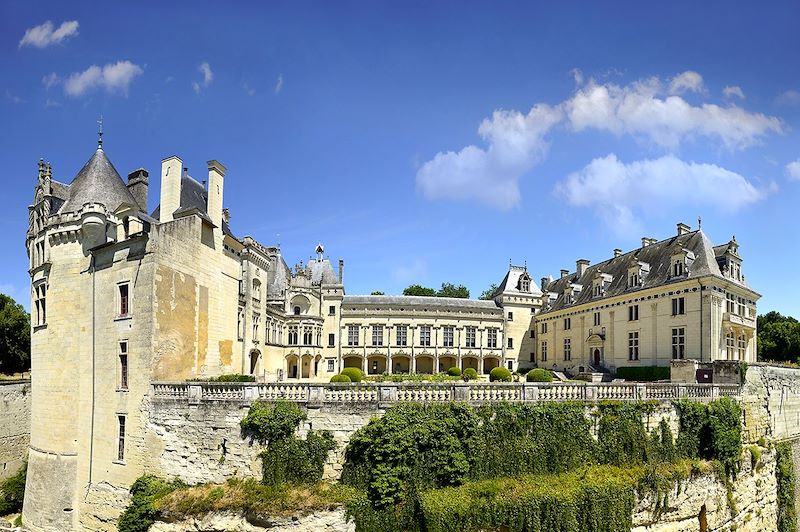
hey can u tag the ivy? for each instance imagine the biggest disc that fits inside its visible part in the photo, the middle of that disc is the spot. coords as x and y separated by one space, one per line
711 432
272 421
141 512
12 491
785 476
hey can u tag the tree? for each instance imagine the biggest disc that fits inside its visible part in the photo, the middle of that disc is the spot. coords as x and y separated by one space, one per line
487 294
15 336
377 293
417 290
451 290
778 337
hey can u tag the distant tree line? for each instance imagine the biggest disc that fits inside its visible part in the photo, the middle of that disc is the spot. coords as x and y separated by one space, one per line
778 337
15 336
447 290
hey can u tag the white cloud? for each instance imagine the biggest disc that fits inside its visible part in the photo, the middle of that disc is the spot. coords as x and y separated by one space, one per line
411 273
279 84
208 77
790 97
793 170
250 91
731 91
111 77
515 145
686 81
50 80
621 192
13 98
44 35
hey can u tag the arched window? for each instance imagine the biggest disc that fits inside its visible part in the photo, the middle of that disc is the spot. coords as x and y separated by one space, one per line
296 310
256 289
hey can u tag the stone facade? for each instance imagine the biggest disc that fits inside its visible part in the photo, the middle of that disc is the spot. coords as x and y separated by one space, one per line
15 432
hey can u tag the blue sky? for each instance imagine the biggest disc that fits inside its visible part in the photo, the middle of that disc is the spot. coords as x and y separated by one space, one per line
427 142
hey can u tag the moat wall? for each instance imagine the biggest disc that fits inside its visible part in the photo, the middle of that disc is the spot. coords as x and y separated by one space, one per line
15 425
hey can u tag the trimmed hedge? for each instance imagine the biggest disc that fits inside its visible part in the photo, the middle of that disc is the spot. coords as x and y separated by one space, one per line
471 374
539 375
500 374
355 374
340 378
454 372
643 373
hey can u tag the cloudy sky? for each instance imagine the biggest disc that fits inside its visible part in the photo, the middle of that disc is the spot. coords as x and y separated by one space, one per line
427 142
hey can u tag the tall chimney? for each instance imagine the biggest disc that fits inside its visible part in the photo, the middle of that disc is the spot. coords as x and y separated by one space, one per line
564 273
216 182
341 271
683 228
580 266
171 169
617 252
545 282
138 184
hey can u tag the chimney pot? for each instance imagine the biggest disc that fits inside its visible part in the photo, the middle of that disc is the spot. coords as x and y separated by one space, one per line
138 186
545 282
617 252
683 228
646 241
580 266
341 271
564 273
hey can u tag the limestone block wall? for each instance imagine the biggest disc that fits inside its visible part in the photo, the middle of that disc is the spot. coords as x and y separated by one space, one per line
15 429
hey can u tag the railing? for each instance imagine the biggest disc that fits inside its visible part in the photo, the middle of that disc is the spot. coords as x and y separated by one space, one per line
436 392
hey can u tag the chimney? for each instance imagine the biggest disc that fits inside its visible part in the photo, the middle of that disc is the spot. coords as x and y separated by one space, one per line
564 273
137 184
226 216
545 282
341 272
216 182
683 228
646 241
617 252
580 266
171 169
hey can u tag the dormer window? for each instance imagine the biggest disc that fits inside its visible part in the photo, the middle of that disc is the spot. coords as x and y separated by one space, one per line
681 261
600 284
678 268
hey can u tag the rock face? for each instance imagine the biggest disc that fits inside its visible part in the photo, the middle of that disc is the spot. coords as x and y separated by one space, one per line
327 521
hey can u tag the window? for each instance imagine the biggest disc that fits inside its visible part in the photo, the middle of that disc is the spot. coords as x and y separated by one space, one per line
331 310
525 284
123 365
678 268
678 342
598 289
447 335
732 305
510 365
470 336
730 345
308 336
293 335
633 313
742 344
331 341
510 343
352 335
256 289
633 345
296 311
633 279
121 432
425 335
124 301
256 319
596 319
402 335
678 306
567 324
567 349
491 338
544 352
40 293
240 324
533 333
330 365
544 327
377 335
510 316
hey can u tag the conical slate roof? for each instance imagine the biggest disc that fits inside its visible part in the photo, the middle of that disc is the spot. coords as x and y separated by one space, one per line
98 182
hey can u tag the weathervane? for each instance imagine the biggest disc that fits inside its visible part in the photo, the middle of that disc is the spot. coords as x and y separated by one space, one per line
699 223
100 132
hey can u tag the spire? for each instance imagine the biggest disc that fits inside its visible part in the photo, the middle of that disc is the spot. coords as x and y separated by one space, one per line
100 133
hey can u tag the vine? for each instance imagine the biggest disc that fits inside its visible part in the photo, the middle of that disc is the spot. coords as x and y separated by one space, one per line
785 477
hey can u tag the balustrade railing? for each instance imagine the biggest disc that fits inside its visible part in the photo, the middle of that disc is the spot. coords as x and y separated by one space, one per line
436 392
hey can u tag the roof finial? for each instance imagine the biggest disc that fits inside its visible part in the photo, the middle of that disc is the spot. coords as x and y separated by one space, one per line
100 133
699 223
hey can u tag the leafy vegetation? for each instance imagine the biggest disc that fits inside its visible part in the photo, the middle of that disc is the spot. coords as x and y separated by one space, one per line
12 491
268 422
500 374
141 511
487 294
454 372
644 373
228 377
15 336
778 337
412 377
470 374
711 432
539 375
377 293
355 374
447 290
340 378
785 476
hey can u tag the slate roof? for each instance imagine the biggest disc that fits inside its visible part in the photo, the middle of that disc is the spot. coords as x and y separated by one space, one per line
322 272
510 283
658 255
280 281
422 302
97 182
193 196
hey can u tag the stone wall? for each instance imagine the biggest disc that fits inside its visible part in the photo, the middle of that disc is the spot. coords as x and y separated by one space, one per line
15 428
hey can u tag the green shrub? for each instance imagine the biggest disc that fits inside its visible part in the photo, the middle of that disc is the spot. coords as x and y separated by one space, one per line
644 373
340 378
295 460
454 372
539 375
141 512
711 432
267 422
785 476
12 491
471 374
355 374
229 377
500 374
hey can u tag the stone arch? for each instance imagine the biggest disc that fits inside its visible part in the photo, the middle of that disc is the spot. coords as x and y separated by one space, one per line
292 367
470 362
255 356
299 305
447 362
424 364
377 364
401 364
489 363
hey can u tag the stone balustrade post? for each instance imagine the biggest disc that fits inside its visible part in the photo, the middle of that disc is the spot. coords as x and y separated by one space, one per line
195 394
250 393
714 392
316 395
591 393
461 392
387 394
530 392
683 392
641 392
